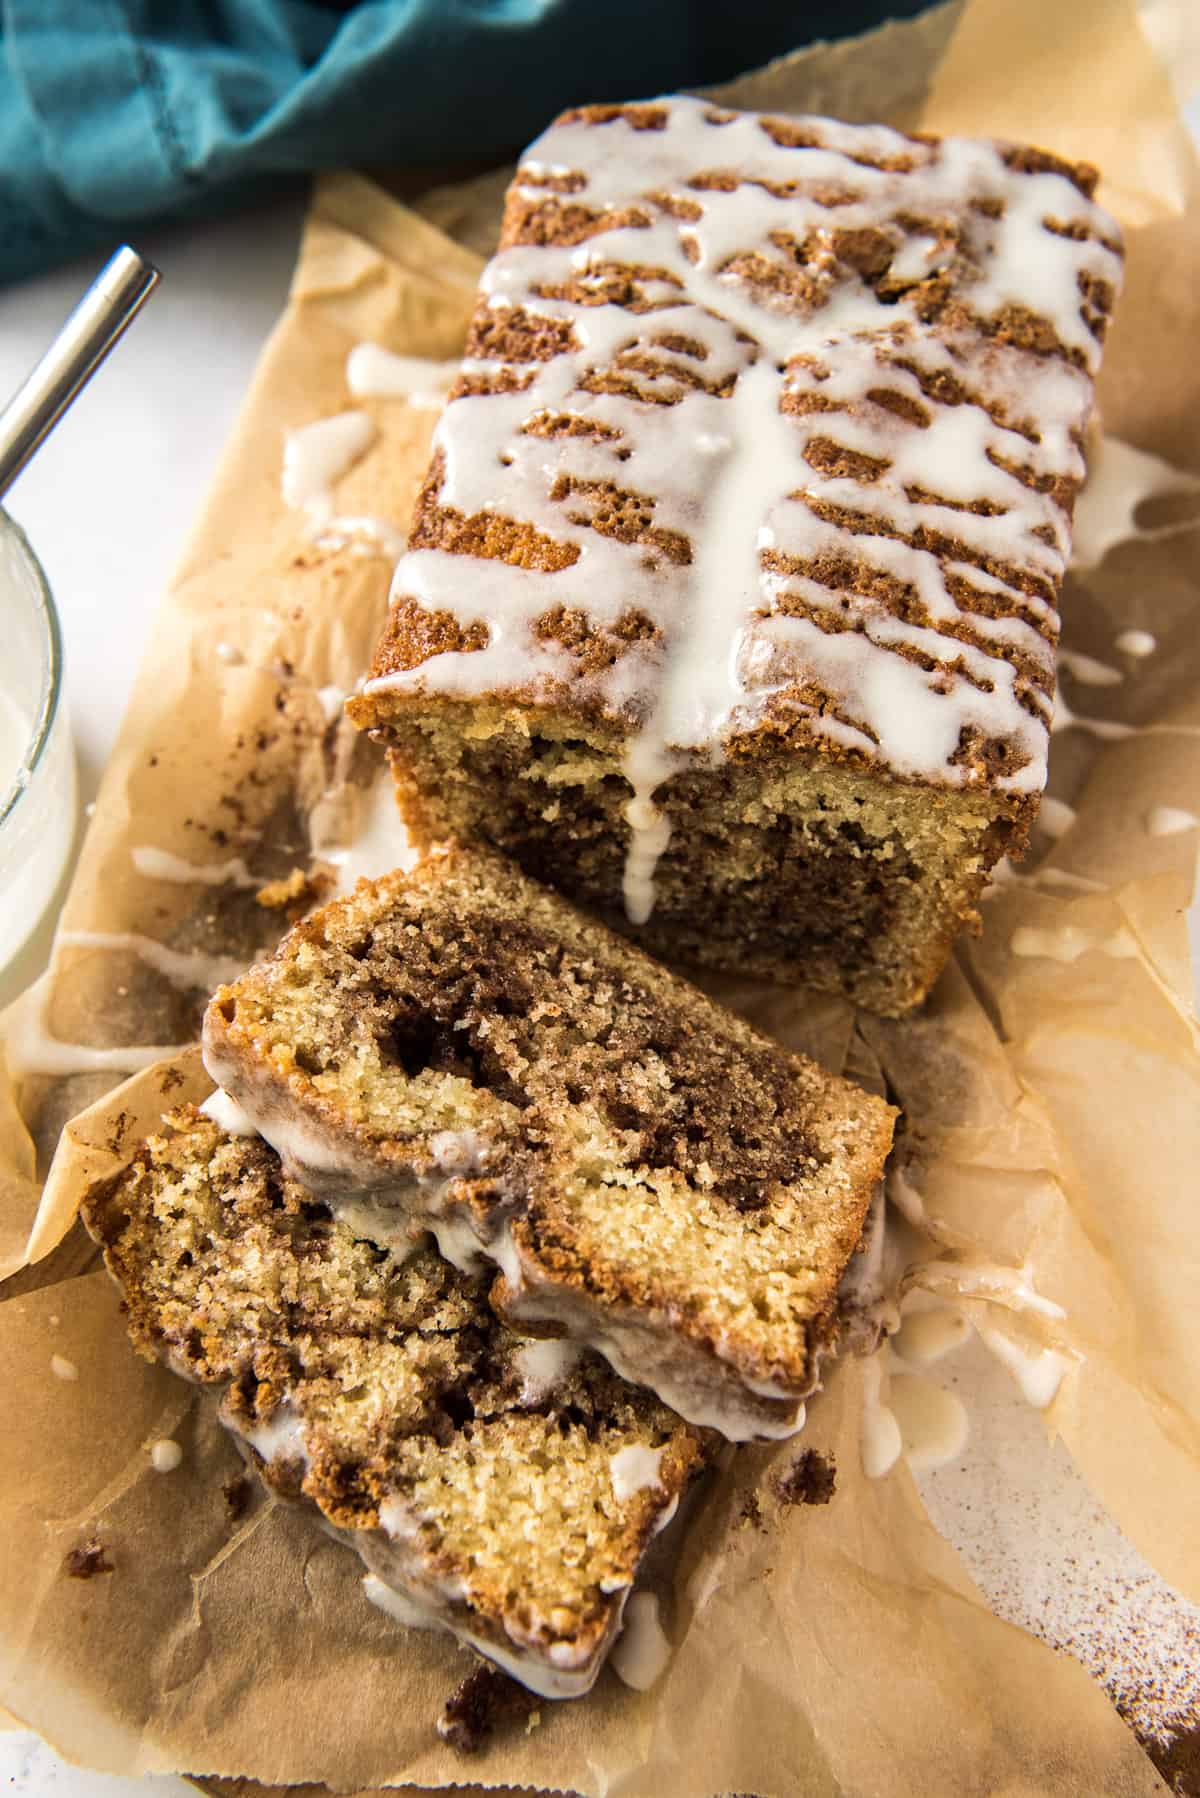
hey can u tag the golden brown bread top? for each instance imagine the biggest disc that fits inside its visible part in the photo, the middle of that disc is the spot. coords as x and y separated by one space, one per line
866 355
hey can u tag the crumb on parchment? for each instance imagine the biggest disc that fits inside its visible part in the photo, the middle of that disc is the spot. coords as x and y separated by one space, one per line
88 1560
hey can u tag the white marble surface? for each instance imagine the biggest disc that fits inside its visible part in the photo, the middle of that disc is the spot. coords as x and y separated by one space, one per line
29 1769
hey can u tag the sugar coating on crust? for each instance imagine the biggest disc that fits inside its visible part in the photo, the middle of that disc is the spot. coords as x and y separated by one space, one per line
766 428
388 1395
650 1173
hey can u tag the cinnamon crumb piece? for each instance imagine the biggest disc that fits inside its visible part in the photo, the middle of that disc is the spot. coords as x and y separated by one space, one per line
485 1698
237 1493
87 1561
808 1480
750 1516
297 890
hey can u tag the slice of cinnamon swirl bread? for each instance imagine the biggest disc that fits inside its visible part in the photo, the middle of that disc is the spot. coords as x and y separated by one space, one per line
461 1050
506 1490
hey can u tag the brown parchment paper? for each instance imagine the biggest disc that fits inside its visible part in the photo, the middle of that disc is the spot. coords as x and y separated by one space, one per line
1051 1109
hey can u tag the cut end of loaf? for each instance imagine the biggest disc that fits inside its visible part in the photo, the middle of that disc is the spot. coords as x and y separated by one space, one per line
467 1052
386 1394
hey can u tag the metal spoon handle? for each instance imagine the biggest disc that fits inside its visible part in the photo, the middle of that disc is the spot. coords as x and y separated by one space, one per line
108 306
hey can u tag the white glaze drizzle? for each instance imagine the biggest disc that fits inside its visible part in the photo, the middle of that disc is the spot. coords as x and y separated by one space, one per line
458 1152
1137 644
925 1337
520 1664
307 1155
908 1201
1107 729
331 699
165 1455
1005 875
281 1439
933 1422
316 456
227 1114
1039 1372
932 1327
379 843
641 1652
624 1347
1012 1287
868 1288
457 1243
1087 670
375 373
1120 480
1055 816
543 1365
62 1369
161 864
362 532
1067 942
726 472
1170 821
633 1469
186 969
399 1235
400 1606
881 1442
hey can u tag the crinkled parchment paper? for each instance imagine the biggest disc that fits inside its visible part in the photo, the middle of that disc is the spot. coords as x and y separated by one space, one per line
1052 1125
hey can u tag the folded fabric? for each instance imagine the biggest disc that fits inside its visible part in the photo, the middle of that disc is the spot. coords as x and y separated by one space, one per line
117 111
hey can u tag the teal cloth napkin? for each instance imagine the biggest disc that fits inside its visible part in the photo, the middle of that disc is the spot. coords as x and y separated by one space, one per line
119 111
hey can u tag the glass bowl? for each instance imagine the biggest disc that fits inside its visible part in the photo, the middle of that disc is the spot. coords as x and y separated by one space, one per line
37 762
